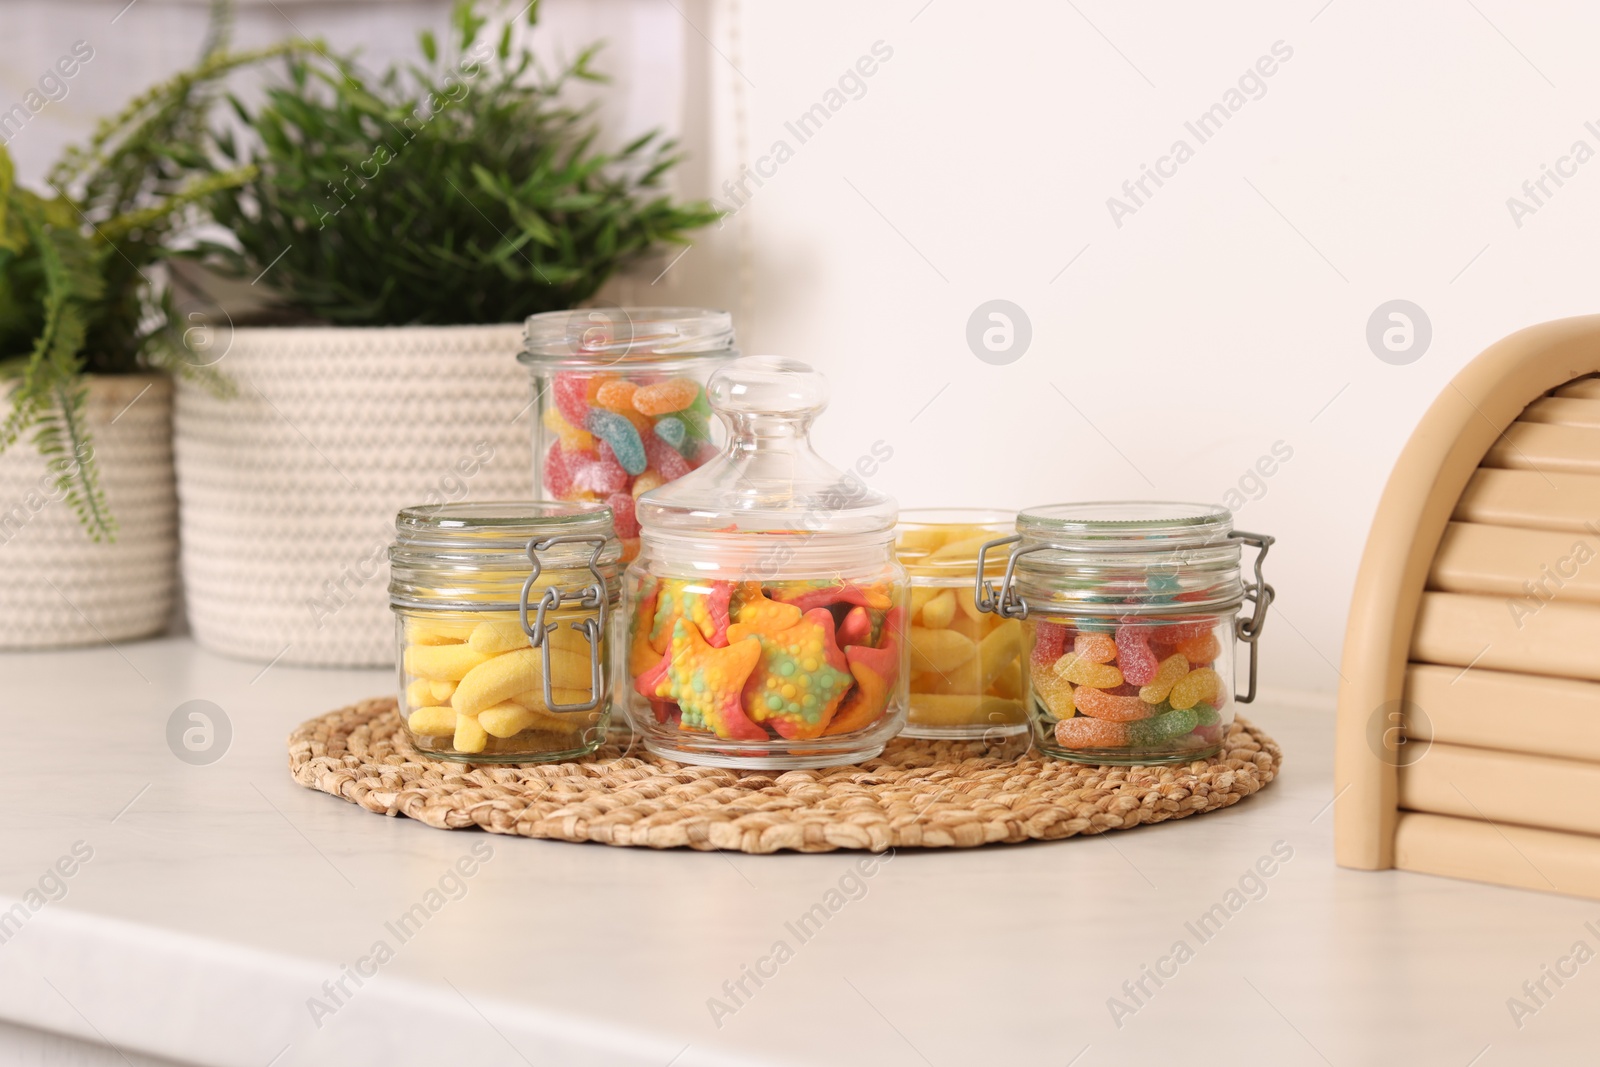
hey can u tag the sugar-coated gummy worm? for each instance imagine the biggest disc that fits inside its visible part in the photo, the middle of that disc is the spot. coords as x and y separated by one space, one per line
1082 732
1086 672
1094 648
1134 658
1170 670
1197 685
1101 705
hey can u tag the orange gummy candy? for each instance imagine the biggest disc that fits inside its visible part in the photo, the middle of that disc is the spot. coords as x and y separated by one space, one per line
675 394
1084 732
616 395
1102 705
1201 649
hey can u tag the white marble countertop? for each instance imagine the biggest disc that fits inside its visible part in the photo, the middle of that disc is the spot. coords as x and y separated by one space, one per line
207 905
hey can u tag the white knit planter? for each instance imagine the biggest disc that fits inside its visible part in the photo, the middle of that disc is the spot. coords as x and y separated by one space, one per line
63 589
288 491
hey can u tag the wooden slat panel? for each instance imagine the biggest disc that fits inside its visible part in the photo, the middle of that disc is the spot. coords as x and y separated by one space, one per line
1516 856
1533 500
1504 711
1504 787
1542 447
1562 640
1563 411
1585 388
1501 560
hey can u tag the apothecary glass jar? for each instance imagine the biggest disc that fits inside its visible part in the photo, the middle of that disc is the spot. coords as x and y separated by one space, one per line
619 399
966 664
503 613
766 610
1129 612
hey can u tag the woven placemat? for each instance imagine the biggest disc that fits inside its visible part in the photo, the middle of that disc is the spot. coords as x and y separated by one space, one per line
918 794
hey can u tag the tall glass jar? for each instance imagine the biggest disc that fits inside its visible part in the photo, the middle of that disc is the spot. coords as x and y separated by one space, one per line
966 664
619 399
766 610
503 621
1129 613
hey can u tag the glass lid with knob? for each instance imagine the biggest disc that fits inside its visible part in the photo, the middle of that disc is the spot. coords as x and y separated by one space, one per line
767 479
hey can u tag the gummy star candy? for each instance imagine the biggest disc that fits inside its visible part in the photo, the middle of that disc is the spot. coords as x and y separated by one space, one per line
641 654
753 613
825 591
705 603
801 678
856 627
706 682
875 671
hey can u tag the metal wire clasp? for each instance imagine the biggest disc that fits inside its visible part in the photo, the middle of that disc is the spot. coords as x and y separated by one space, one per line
1260 594
1004 602
592 597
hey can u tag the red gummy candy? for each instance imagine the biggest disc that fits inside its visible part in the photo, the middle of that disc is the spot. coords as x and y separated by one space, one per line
704 454
622 516
1134 657
557 476
571 392
602 477
664 458
1176 630
1049 641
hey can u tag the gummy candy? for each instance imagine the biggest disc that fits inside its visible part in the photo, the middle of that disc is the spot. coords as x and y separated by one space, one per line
1200 649
1137 662
706 604
1049 640
665 397
1162 728
1083 732
1094 648
707 682
1196 686
557 476
800 679
1167 674
1174 630
666 459
621 436
1087 672
1206 714
573 438
623 518
616 395
647 481
601 477
571 392
874 670
753 613
1101 705
855 628
671 429
1054 691
831 592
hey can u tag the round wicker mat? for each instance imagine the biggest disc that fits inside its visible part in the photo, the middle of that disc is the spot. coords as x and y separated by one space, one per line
918 794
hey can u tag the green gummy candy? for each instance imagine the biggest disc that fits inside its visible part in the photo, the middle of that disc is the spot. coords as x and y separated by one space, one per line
1207 715
1163 727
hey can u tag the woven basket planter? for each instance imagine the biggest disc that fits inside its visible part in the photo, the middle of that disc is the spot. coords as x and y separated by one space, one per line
289 489
63 589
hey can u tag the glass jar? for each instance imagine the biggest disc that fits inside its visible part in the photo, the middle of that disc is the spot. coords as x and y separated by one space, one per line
620 402
766 610
966 664
1129 613
502 616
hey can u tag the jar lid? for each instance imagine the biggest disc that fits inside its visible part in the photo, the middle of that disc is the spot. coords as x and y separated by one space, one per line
1136 557
1128 525
603 337
768 482
474 556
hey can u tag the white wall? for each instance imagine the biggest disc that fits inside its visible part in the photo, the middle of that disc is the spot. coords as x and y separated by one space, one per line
1226 314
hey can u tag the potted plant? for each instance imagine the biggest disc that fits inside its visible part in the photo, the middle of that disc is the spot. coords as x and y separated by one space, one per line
88 344
406 223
